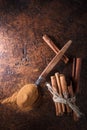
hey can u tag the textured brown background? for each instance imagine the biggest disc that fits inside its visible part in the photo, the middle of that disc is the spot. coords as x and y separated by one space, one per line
24 55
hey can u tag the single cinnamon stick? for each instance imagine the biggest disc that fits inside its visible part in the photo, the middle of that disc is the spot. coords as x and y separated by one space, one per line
76 69
54 85
60 91
54 47
70 89
65 90
77 74
73 68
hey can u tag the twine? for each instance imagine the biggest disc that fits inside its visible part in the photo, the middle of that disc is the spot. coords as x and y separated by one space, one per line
64 100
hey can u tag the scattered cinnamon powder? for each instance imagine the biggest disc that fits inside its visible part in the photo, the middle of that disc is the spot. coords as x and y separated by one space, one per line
24 99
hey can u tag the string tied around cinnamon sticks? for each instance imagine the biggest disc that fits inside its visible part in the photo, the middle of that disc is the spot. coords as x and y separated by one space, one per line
69 101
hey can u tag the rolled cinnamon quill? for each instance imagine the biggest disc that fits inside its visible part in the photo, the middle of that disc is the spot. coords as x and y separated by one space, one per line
54 47
77 74
55 88
60 91
65 90
76 69
70 89
73 68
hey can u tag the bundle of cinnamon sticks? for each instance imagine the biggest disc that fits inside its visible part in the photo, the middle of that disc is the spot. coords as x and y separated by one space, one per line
59 85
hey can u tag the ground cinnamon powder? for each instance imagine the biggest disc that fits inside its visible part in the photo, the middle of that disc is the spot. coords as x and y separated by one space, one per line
24 99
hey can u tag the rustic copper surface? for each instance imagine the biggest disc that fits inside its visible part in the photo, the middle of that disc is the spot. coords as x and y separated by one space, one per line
24 54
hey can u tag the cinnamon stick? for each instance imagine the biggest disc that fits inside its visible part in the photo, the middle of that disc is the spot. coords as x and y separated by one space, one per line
77 74
65 90
71 92
76 69
54 85
54 47
73 68
60 91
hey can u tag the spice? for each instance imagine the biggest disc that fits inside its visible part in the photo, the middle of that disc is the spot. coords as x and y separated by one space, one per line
54 47
55 88
60 90
65 90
